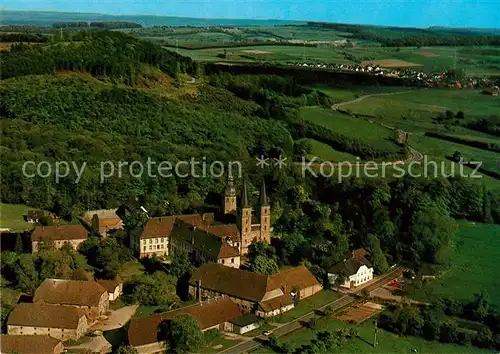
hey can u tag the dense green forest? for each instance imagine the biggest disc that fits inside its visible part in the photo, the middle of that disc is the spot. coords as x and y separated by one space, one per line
23 37
103 107
102 53
413 37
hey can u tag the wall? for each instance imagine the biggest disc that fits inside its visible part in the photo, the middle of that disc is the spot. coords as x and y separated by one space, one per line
304 293
152 348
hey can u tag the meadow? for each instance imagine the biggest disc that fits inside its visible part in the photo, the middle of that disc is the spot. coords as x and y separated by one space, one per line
387 342
474 262
11 217
373 134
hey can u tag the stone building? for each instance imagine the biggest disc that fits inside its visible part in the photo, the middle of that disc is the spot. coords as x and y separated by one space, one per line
88 296
73 235
103 221
57 321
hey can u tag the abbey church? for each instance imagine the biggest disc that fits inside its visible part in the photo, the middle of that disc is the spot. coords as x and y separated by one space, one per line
209 237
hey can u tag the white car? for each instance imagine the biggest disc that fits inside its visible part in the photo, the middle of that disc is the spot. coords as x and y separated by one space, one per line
268 333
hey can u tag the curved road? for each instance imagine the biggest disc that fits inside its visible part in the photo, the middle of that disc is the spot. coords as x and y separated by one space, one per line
359 99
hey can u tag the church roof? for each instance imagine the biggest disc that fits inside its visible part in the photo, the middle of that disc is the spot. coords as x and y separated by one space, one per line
263 195
350 266
244 197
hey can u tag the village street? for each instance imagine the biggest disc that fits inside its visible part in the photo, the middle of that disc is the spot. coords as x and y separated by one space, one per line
256 342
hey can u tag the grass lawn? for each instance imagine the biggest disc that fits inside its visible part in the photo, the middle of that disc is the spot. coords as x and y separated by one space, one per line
130 269
387 342
307 305
144 311
474 261
12 217
373 134
225 343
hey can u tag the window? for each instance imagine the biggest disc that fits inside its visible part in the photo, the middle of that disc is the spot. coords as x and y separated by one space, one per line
144 248
150 247
156 240
222 261
232 260
157 247
150 241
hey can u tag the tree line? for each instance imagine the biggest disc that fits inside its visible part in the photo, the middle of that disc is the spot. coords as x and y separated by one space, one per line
23 37
100 24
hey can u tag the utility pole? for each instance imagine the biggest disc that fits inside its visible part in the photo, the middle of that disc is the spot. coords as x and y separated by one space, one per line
375 333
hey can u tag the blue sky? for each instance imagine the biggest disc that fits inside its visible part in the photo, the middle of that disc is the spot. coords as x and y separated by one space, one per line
420 13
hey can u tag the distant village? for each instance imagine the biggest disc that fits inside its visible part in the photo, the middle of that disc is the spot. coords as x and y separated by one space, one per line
227 297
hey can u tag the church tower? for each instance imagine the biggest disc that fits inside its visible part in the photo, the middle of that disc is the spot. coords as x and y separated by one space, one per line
246 221
230 197
265 216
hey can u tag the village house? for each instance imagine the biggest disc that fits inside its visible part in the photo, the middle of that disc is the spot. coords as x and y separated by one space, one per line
57 321
34 215
89 296
266 295
73 235
145 333
21 344
353 272
113 287
103 221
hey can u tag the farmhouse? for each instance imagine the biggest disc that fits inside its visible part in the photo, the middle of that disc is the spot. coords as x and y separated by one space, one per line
145 333
24 344
73 235
353 272
61 322
269 295
103 221
88 296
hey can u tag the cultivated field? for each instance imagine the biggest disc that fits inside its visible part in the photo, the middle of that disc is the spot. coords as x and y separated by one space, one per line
474 262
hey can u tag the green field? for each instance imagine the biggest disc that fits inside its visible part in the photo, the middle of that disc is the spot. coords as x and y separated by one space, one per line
373 134
12 217
307 305
474 263
387 342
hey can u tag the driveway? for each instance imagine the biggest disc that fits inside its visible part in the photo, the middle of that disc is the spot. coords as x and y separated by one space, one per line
116 319
97 344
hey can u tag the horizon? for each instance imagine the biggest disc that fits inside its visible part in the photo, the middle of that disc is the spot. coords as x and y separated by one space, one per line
400 13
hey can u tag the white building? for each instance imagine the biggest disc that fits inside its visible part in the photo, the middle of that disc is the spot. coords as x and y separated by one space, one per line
354 272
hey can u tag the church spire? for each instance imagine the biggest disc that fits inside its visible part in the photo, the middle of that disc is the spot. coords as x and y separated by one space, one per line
263 195
244 197
230 189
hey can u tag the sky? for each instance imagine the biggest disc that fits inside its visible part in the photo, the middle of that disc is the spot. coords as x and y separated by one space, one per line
412 13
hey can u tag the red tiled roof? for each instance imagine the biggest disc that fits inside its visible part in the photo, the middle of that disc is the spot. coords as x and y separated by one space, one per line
109 285
24 344
276 303
227 251
158 227
69 292
145 330
45 315
64 232
223 231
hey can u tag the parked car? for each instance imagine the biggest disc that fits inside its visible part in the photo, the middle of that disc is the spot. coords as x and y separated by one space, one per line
268 333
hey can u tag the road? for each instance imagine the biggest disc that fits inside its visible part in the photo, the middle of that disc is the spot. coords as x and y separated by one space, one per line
345 300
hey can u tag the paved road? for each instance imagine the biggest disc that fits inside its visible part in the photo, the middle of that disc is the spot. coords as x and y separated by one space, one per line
345 300
337 105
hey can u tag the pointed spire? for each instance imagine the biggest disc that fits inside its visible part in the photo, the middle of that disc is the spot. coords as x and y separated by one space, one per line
244 197
263 195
